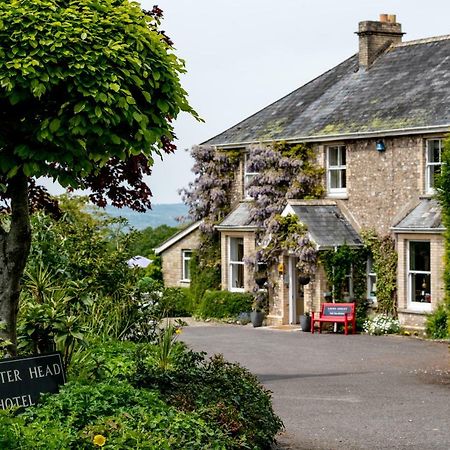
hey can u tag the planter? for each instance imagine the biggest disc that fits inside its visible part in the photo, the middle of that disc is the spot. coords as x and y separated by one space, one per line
257 318
304 279
261 281
305 323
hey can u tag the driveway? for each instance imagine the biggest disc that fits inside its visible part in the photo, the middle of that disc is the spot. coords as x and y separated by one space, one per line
344 392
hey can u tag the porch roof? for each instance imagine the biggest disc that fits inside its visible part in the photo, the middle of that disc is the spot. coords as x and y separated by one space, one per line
326 224
424 217
239 219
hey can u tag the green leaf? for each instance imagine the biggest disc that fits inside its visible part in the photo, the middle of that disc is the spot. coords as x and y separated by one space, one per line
79 107
98 111
54 125
163 106
115 87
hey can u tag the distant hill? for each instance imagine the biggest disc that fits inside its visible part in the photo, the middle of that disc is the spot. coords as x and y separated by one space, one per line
160 214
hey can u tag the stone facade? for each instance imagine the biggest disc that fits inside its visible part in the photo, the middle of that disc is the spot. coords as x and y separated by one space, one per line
172 260
381 187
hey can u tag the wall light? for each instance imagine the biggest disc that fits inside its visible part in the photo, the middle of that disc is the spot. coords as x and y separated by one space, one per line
380 146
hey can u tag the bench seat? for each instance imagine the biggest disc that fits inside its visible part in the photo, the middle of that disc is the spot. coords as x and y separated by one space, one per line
335 313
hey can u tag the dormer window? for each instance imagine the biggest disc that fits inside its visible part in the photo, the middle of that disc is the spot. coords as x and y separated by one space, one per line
248 176
434 153
336 170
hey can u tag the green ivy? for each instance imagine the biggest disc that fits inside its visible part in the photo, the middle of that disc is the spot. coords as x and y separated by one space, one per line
443 196
385 259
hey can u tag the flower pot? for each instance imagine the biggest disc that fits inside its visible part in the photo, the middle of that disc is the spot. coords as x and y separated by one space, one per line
261 281
305 322
257 318
304 279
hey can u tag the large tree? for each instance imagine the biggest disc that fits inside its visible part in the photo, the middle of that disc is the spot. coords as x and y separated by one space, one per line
88 92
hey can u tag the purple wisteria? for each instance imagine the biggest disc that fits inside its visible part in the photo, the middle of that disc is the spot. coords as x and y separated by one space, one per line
209 195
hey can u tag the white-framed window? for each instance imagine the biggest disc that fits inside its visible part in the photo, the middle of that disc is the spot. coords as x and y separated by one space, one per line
336 169
185 263
419 275
248 176
433 163
236 264
371 283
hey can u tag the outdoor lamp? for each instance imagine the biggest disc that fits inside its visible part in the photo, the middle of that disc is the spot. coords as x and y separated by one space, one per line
380 146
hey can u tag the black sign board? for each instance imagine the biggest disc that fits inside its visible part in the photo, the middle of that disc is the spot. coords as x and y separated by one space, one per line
337 310
22 380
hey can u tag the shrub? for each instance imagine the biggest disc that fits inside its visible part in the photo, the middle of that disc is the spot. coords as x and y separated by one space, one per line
203 276
221 392
438 322
125 416
381 324
177 302
221 304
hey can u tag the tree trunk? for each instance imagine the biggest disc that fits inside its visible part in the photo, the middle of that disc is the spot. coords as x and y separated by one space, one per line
14 250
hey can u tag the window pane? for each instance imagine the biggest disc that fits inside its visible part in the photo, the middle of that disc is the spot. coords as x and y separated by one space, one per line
334 179
332 156
419 256
432 172
343 178
420 288
343 156
187 273
236 249
237 276
434 150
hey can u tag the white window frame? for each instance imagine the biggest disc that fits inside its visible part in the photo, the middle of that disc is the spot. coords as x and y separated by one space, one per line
416 306
338 167
232 263
371 281
185 259
248 176
431 164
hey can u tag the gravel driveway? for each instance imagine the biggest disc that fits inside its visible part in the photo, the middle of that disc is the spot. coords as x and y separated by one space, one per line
344 392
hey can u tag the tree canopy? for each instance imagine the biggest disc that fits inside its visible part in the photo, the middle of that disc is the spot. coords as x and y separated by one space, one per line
88 93
89 90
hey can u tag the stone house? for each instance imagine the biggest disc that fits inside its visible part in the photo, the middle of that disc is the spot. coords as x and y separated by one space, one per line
376 122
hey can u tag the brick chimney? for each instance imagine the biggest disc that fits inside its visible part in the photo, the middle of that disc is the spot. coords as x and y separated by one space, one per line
376 37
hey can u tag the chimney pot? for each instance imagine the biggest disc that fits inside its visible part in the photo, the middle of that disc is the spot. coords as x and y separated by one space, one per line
392 18
383 18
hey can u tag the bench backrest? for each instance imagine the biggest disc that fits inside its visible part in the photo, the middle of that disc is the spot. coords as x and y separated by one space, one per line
338 309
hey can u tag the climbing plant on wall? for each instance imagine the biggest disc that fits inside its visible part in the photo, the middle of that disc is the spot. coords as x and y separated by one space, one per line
342 262
283 171
443 195
384 258
288 235
209 198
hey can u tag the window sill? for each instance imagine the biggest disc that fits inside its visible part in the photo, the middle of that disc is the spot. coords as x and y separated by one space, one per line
414 311
337 196
185 281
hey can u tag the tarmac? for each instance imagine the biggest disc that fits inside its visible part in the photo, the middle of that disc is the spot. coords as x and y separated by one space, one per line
343 392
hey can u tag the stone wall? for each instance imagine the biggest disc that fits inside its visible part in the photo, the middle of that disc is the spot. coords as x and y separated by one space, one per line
172 261
382 185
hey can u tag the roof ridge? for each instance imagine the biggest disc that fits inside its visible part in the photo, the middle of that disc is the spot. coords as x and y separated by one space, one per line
423 41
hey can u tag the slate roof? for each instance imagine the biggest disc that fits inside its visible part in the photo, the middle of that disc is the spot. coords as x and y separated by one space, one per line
326 224
426 216
238 218
406 88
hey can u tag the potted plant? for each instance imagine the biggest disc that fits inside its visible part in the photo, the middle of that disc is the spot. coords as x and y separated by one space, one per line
305 319
305 322
259 308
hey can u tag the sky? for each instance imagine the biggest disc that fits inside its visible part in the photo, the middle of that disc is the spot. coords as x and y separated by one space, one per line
242 55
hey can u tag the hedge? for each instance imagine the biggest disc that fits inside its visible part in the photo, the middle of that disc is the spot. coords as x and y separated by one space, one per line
221 304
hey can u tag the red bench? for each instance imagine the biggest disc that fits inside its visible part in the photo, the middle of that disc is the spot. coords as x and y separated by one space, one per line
336 313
